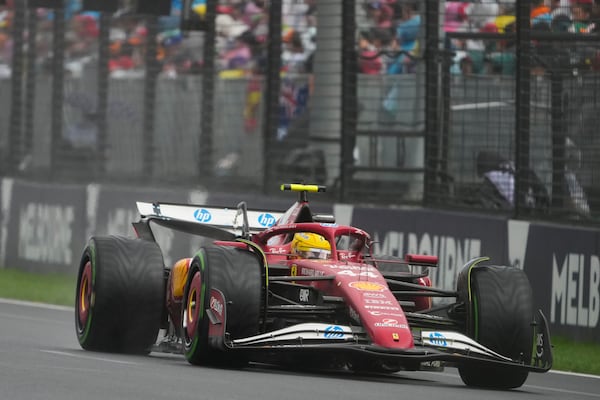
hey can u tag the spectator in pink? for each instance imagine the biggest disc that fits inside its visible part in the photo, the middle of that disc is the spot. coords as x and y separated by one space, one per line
239 55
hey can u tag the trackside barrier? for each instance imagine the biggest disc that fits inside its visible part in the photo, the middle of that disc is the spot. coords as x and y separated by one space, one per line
44 228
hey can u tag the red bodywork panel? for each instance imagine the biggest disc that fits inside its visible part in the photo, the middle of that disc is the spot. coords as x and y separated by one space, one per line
360 284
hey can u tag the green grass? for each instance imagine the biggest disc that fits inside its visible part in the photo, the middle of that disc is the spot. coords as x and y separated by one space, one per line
47 288
576 357
60 289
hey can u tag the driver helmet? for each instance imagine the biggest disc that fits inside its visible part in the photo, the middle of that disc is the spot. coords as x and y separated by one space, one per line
310 245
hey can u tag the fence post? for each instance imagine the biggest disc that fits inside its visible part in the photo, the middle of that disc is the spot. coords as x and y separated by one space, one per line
349 95
522 102
152 71
325 118
205 160
271 93
15 142
102 92
558 141
432 93
30 85
58 86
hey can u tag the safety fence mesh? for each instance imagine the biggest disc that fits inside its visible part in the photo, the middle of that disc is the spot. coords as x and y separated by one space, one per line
487 106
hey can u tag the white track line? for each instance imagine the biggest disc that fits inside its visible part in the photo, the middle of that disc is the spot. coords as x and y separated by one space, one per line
35 304
64 353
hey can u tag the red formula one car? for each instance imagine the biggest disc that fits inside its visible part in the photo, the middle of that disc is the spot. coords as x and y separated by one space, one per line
296 288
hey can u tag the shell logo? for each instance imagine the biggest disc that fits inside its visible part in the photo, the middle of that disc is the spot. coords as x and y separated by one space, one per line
367 286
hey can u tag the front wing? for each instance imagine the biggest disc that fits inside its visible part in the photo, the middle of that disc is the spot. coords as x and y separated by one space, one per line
439 345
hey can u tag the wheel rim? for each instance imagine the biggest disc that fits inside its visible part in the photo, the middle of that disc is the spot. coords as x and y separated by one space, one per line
84 296
193 305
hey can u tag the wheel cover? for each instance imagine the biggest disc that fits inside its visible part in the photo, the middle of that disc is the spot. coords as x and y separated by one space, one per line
84 297
193 306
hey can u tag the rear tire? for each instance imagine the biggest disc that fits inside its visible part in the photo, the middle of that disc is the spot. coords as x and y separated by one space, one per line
237 274
120 295
499 316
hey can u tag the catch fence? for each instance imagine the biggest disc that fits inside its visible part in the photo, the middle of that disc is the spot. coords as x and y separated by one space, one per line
467 105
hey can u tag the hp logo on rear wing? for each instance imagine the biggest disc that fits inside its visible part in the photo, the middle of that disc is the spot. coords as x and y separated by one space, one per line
266 220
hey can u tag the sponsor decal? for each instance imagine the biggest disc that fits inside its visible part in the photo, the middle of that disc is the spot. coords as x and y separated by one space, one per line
351 267
383 308
277 250
438 339
539 352
395 336
575 284
304 295
365 274
381 302
334 332
266 219
346 256
294 270
329 225
390 323
385 314
367 286
373 295
216 306
311 272
202 215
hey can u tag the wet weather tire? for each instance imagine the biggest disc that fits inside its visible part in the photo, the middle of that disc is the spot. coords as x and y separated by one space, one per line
120 295
499 316
235 273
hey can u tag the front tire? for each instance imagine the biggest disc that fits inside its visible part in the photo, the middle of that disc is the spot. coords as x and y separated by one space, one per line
237 275
499 316
120 295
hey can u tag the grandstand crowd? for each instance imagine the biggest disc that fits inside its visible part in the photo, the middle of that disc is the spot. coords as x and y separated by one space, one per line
241 29
388 38
389 35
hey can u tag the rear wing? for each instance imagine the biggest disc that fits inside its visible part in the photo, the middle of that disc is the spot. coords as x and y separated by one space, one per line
203 220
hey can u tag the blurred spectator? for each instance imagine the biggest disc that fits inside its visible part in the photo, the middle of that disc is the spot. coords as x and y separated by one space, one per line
294 56
123 58
369 61
407 33
256 17
5 41
229 26
169 54
380 14
295 14
81 42
581 13
238 56
408 27
561 8
540 13
455 17
128 37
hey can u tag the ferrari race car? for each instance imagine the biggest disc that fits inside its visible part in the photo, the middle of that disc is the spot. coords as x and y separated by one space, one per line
295 289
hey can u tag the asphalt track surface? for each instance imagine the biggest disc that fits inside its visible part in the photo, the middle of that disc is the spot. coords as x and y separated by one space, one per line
41 359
